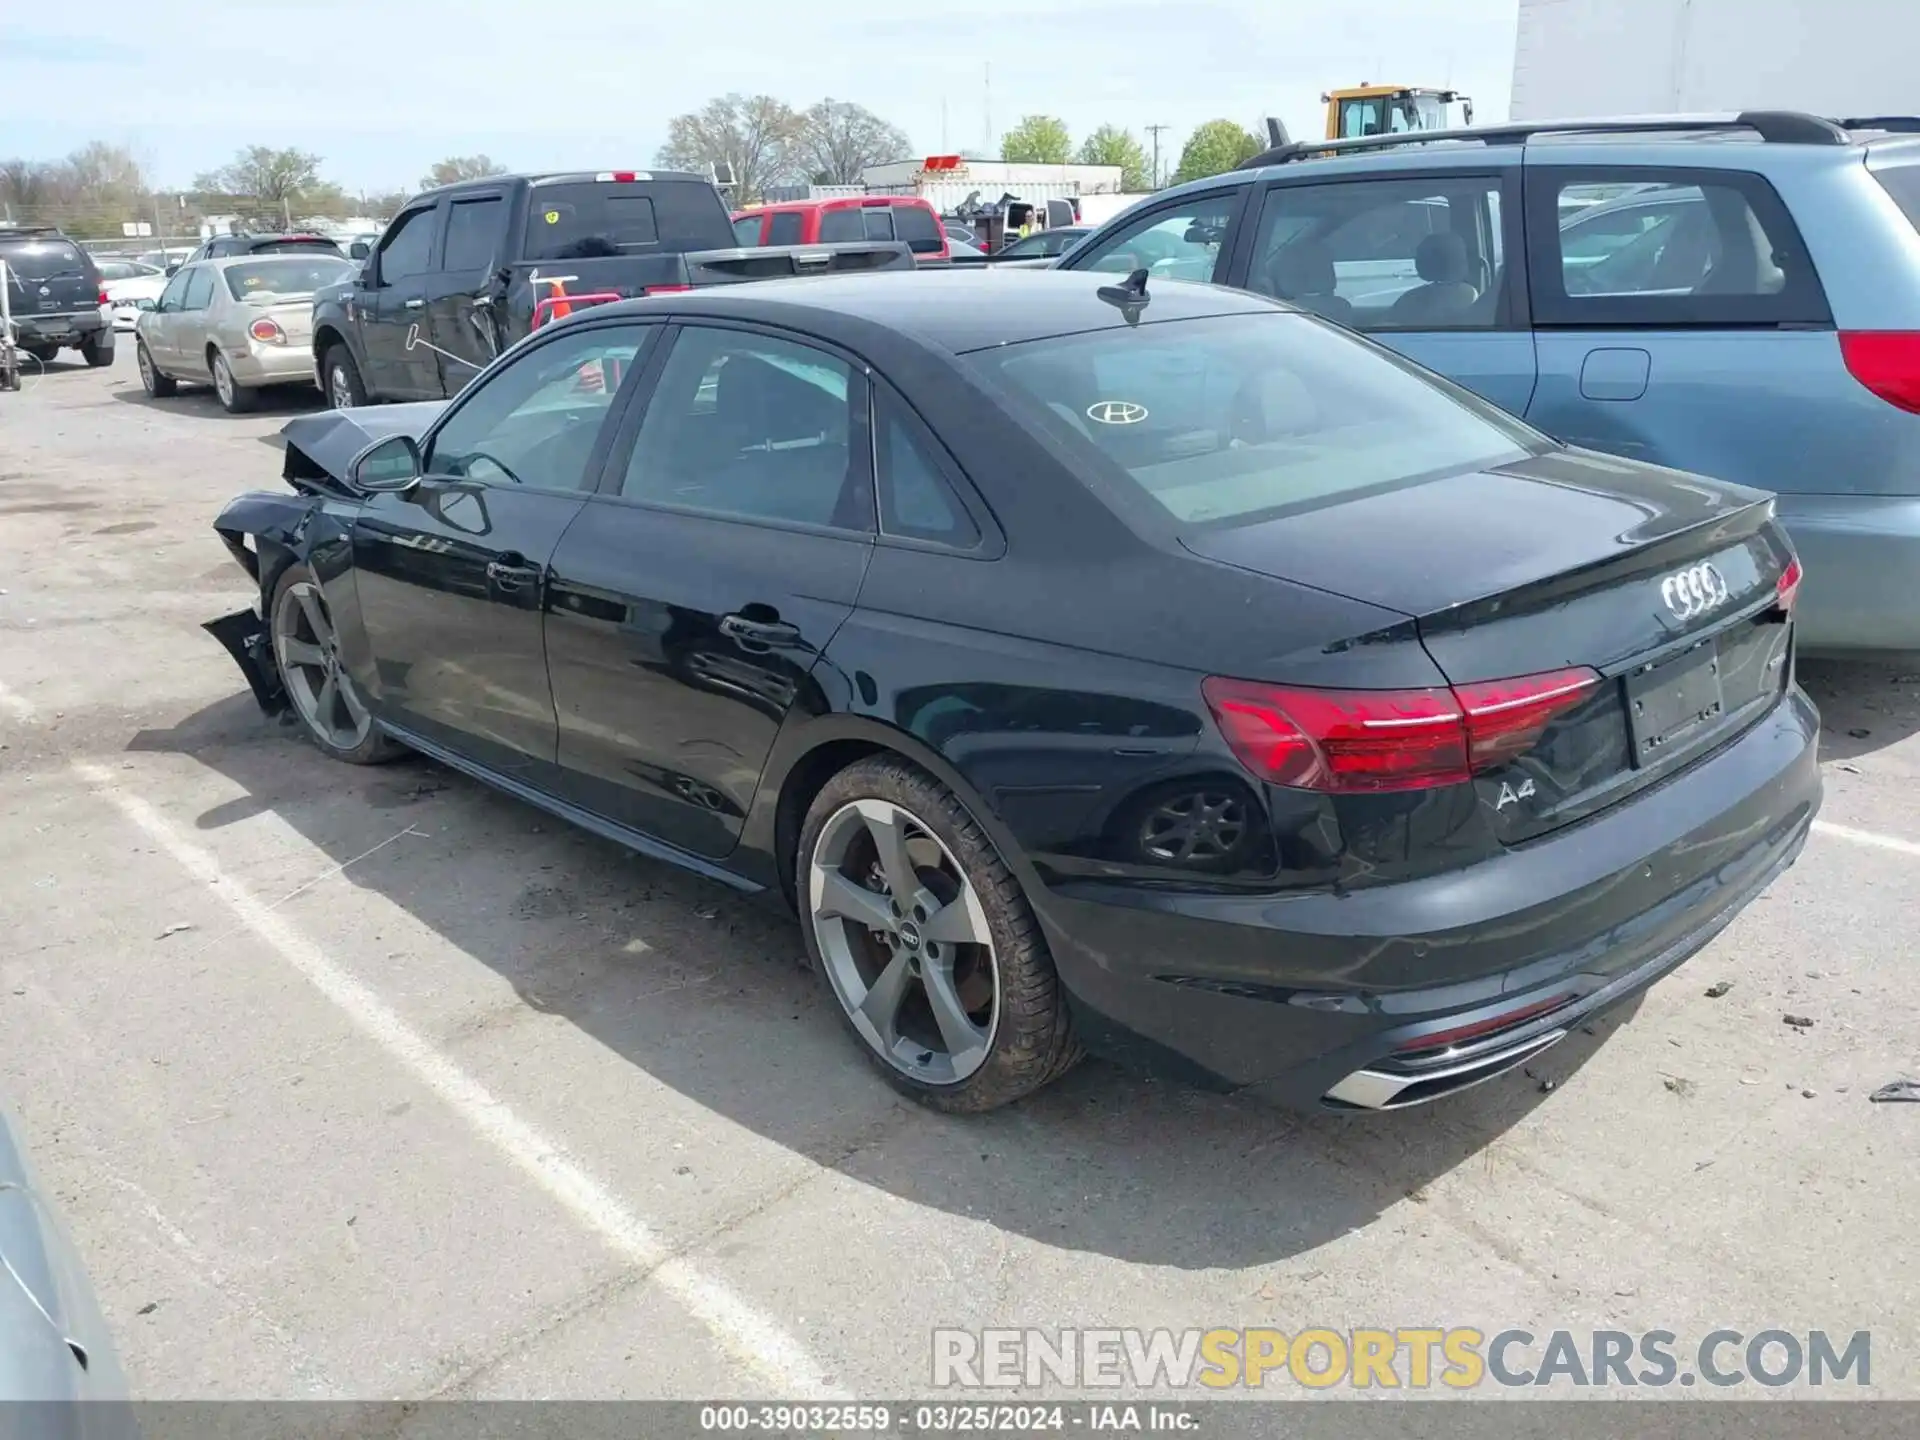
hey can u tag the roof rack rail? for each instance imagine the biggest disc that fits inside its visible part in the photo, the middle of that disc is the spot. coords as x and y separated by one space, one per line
1890 124
1776 127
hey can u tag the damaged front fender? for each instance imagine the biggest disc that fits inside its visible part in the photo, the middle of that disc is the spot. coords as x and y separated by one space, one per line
265 533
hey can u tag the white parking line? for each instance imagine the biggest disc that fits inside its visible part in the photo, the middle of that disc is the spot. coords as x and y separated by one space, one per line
1866 837
755 1339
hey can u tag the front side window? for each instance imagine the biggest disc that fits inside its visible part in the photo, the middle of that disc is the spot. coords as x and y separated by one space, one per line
1665 248
746 229
535 421
1385 254
1219 419
408 248
754 426
1180 243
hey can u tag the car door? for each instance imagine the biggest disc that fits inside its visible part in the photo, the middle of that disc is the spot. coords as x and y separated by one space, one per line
394 302
1705 342
1189 238
695 594
1426 264
451 575
459 322
187 330
157 328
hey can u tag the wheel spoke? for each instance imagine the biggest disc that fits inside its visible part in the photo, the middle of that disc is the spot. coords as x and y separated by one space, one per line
959 922
299 652
325 709
963 1037
835 894
316 617
888 826
881 1007
356 712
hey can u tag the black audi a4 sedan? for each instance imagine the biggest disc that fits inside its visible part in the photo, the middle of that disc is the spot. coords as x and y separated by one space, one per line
1143 667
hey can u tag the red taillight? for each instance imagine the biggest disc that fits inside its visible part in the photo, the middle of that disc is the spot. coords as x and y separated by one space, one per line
665 289
1788 585
1347 741
267 332
1440 1040
103 300
1887 362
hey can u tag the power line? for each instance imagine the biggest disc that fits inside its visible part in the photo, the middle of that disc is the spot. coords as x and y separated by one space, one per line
1154 130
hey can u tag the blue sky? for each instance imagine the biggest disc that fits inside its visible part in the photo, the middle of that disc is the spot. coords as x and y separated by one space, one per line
382 88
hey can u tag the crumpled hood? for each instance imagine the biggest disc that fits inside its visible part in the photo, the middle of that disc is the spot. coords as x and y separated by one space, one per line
327 442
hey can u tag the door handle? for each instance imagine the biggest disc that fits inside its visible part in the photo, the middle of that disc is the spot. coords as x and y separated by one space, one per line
511 571
759 632
416 304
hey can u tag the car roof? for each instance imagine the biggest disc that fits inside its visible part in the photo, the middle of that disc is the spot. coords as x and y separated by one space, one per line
559 177
956 310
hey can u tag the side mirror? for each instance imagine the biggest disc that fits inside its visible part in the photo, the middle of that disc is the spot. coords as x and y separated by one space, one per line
359 250
145 304
388 466
173 267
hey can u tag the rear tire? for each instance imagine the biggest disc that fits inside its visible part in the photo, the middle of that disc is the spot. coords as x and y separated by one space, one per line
159 386
98 352
43 353
235 398
964 933
340 379
317 686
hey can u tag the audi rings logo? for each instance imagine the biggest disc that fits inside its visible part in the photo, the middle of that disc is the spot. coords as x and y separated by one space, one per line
1117 412
1694 591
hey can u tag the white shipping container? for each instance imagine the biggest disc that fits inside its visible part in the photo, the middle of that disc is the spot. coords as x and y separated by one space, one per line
1838 58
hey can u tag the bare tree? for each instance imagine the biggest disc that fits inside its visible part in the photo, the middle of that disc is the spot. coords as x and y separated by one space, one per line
839 139
754 136
261 173
461 167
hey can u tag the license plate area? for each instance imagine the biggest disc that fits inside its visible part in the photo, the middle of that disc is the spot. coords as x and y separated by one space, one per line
1674 703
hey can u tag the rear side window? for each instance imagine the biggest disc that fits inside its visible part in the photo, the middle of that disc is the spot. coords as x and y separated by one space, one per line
839 227
915 499
1665 249
1902 182
475 229
594 219
43 259
1222 419
915 225
785 229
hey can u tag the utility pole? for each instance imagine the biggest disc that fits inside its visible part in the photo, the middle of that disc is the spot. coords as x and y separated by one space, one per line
986 110
1154 130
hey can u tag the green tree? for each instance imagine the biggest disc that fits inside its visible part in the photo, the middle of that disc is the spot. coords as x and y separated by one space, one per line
1215 147
264 174
1037 140
456 168
756 137
1110 145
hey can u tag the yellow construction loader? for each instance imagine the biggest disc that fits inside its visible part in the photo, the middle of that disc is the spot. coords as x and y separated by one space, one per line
1388 109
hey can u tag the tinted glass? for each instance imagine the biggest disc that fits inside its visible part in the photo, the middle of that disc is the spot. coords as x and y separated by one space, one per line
915 500
785 228
754 426
535 421
1385 254
122 270
915 225
747 229
283 278
1241 415
409 247
475 229
596 219
841 226
199 292
877 222
1181 244
307 243
1903 183
42 259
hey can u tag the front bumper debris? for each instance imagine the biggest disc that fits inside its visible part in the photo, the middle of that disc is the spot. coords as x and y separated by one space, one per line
244 634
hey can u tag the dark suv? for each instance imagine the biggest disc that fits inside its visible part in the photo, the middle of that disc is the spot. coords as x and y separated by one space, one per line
221 245
55 295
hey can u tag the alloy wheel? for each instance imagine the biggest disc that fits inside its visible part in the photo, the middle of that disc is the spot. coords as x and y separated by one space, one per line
309 656
339 388
145 362
905 942
223 381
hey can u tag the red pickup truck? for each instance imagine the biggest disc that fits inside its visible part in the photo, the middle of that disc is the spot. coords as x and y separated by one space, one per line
905 218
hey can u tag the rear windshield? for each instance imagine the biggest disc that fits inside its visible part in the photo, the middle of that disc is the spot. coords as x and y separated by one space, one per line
1233 416
308 243
264 281
43 259
1903 183
600 219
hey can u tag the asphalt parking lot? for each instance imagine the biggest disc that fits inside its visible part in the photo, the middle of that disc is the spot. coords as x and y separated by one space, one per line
373 1083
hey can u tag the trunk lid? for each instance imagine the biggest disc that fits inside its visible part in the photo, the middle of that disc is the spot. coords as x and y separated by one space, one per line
1661 589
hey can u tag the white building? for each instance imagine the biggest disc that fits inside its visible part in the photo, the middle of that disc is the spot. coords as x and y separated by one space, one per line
946 185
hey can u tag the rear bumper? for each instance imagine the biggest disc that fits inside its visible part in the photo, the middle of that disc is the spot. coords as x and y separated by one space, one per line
1861 553
1290 993
272 364
70 329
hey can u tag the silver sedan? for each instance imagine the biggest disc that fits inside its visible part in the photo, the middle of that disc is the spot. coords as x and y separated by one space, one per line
238 323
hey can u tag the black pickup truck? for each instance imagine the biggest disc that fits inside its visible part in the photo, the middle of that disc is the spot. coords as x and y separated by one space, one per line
467 269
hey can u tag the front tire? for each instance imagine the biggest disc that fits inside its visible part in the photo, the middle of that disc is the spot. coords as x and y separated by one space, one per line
306 653
235 398
341 379
158 385
926 942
